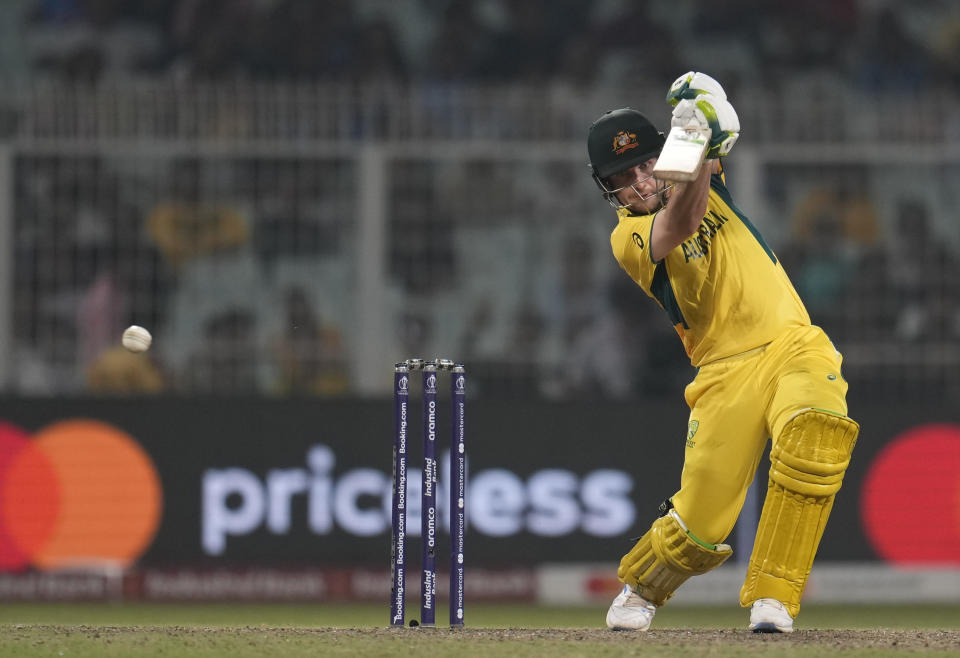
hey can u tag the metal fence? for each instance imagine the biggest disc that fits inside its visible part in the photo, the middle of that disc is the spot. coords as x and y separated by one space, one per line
296 240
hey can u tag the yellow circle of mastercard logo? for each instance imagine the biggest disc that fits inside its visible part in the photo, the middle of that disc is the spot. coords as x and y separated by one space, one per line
78 493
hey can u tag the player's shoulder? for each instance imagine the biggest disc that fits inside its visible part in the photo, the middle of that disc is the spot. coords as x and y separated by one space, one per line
629 223
631 235
625 218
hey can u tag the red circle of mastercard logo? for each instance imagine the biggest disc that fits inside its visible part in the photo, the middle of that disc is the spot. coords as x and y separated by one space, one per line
76 494
910 502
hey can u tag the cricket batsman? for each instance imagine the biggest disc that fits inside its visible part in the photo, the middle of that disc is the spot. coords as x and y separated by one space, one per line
764 371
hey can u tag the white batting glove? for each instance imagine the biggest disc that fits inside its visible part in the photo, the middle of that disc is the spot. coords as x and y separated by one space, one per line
712 113
692 84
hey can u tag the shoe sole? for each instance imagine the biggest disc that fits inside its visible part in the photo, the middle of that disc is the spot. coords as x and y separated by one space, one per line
618 628
768 627
627 629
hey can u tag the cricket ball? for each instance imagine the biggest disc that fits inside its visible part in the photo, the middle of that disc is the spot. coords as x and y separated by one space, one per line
136 339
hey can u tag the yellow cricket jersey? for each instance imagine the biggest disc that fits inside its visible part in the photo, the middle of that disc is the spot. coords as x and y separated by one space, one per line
723 288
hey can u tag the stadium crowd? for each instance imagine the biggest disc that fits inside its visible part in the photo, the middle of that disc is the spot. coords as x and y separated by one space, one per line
871 44
96 230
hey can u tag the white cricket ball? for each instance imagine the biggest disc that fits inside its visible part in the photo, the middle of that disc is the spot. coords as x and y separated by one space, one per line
137 339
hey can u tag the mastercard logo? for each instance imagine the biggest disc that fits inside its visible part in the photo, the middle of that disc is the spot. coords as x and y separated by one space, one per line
78 493
910 501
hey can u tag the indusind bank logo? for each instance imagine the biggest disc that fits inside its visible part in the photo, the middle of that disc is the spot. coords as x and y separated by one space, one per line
75 494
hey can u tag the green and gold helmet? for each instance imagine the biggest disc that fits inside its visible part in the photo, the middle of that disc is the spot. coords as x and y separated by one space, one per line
621 139
618 140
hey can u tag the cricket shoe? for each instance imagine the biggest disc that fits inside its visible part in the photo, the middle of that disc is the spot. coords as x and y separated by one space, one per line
630 612
770 616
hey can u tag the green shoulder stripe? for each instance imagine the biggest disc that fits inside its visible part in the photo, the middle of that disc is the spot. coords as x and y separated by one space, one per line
717 184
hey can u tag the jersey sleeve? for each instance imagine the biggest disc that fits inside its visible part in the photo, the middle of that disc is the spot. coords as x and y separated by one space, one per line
630 242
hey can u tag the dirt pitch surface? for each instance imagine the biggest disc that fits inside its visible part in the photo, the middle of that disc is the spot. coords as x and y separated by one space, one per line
905 640
29 640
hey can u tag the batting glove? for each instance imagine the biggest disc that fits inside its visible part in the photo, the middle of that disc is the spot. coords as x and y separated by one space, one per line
714 114
692 84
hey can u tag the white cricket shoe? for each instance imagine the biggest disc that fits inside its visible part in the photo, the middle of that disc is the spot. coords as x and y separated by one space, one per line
630 612
770 616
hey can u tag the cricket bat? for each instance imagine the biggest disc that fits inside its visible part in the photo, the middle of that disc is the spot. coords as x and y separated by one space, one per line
682 154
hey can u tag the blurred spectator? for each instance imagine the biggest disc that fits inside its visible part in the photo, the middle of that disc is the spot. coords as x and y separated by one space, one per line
730 49
209 38
316 40
946 52
820 263
379 56
832 228
422 254
582 316
742 19
117 371
309 352
846 194
888 58
869 308
607 356
577 65
514 367
92 40
56 11
459 45
187 226
579 300
127 44
924 277
528 45
910 292
636 48
415 333
226 361
292 218
627 350
798 38
101 317
45 361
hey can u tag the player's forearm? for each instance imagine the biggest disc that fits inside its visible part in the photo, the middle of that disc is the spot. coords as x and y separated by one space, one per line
684 212
689 201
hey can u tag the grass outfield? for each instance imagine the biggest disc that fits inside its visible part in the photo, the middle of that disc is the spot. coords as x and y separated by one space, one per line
240 630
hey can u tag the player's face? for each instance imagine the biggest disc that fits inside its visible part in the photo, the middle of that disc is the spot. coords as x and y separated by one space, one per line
638 189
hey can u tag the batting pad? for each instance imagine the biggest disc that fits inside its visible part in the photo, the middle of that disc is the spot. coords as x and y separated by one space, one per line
807 464
666 557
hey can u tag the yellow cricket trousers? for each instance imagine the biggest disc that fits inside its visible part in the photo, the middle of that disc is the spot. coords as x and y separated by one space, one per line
736 404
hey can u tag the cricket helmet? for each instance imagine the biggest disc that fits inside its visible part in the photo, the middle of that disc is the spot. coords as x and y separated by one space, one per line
621 139
618 140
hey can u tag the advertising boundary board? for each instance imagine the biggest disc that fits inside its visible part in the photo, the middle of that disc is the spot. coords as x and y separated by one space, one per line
303 483
550 584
